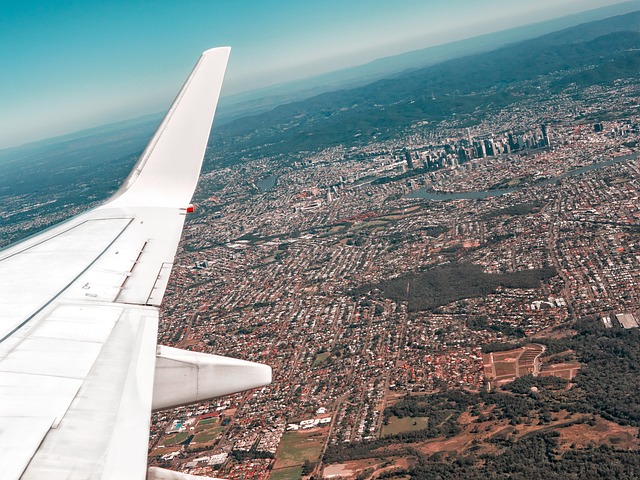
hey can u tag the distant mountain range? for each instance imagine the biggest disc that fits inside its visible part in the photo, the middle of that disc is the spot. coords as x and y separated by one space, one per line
264 99
78 157
610 47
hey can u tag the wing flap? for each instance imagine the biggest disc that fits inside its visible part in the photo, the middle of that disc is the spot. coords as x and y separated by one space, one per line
104 432
35 273
29 388
16 455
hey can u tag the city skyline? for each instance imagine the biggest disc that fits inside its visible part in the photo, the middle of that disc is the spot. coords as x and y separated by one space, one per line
71 67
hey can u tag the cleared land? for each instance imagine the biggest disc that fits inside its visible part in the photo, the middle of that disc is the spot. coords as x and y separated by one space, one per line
291 473
407 424
603 432
349 469
504 367
562 370
296 447
321 358
485 437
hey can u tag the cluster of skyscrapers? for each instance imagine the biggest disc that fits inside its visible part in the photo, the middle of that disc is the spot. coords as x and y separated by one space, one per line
489 146
482 146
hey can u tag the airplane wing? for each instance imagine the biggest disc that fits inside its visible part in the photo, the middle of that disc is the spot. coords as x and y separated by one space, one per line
80 370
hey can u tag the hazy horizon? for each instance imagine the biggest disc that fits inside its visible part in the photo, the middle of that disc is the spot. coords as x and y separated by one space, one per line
65 70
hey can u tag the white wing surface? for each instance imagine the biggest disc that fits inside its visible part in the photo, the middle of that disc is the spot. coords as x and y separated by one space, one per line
80 370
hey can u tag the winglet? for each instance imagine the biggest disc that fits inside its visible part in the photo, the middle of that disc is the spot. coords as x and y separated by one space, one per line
167 172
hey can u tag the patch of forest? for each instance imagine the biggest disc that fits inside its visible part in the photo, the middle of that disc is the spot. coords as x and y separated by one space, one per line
525 208
607 385
611 375
443 410
482 323
608 382
433 288
538 456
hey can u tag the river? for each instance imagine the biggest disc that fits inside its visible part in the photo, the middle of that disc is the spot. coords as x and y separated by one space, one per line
422 193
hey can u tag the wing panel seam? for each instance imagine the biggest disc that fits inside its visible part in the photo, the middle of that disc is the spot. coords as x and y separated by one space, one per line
30 317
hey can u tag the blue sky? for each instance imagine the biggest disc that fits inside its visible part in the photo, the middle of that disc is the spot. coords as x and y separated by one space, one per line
67 65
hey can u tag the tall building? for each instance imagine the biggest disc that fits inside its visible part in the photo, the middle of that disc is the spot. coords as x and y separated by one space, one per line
545 136
489 148
407 155
462 155
480 149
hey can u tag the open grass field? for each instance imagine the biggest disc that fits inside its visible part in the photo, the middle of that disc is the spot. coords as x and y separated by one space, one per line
175 439
207 435
401 214
321 358
296 447
290 473
208 421
401 425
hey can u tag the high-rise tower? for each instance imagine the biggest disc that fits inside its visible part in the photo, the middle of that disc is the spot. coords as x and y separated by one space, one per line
407 155
545 135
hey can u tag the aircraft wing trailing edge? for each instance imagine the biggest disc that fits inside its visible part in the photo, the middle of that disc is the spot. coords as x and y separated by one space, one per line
80 368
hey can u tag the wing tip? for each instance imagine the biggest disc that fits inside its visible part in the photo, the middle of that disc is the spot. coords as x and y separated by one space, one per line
217 51
209 69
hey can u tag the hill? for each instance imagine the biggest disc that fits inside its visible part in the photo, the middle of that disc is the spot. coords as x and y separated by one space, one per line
609 49
265 99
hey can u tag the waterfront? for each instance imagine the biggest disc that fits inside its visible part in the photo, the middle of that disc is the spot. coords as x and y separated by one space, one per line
422 193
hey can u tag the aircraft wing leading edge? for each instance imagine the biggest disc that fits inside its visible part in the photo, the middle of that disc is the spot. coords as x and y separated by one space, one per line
80 369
